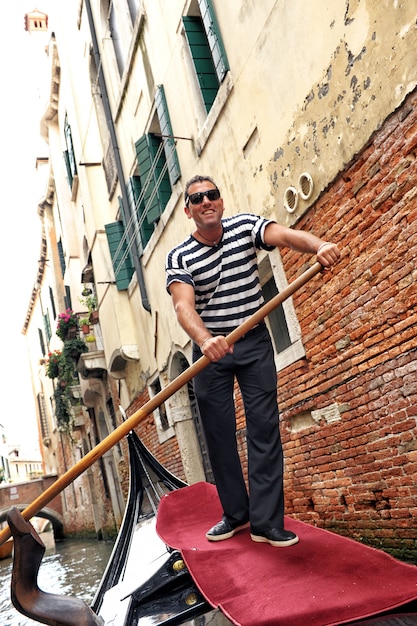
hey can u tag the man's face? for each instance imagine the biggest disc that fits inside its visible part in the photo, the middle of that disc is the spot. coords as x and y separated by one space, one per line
208 213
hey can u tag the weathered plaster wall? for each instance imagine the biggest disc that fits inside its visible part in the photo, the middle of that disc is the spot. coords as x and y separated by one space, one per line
370 70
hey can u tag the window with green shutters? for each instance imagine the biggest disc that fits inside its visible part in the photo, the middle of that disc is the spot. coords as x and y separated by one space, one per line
120 256
167 136
137 213
207 51
61 255
153 174
158 165
215 41
42 342
47 326
148 193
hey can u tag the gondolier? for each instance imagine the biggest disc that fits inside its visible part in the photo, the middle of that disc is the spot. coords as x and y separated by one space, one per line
213 279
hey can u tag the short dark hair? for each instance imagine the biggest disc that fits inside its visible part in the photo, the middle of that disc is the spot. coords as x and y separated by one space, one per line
197 179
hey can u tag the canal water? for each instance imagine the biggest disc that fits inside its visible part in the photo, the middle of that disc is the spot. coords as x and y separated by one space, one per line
70 567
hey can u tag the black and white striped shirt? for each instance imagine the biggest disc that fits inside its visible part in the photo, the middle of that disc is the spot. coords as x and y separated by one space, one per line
224 277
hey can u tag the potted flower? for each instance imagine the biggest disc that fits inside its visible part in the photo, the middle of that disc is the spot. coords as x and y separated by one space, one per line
85 325
67 325
90 302
52 364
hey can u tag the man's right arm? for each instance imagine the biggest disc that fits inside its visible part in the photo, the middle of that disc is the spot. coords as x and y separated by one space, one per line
184 304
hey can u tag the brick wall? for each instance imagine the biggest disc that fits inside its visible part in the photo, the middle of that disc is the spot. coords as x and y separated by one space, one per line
167 454
86 504
357 475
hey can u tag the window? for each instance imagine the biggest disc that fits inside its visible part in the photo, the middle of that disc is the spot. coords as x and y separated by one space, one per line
157 161
67 298
69 155
118 20
148 193
133 6
277 321
207 50
282 322
61 257
167 135
160 413
52 299
153 176
112 414
42 342
117 40
137 210
47 326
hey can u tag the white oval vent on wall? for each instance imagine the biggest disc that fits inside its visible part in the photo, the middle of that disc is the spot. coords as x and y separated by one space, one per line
305 185
291 199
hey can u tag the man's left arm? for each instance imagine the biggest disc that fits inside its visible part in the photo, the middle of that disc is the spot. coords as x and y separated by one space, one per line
282 237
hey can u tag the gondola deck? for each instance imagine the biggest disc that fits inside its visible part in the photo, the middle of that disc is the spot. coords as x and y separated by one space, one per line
325 579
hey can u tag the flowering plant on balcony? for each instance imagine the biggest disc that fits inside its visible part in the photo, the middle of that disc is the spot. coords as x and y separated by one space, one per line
66 321
52 364
74 348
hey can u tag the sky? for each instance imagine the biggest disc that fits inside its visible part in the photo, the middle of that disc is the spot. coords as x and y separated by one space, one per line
21 226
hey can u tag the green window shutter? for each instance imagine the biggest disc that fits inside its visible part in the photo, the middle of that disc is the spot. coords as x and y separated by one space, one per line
47 326
202 58
153 176
122 265
137 210
61 257
166 131
215 41
41 342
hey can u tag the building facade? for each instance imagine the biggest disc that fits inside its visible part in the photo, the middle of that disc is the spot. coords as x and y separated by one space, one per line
302 112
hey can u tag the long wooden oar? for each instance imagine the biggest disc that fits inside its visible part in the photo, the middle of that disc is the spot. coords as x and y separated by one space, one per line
124 428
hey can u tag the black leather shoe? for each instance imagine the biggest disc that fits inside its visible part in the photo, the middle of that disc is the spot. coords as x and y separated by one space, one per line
224 530
277 537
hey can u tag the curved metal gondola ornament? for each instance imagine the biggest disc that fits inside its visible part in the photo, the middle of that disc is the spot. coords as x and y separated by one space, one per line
27 597
139 457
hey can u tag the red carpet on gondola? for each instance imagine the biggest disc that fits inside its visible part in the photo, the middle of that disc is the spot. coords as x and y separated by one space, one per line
325 579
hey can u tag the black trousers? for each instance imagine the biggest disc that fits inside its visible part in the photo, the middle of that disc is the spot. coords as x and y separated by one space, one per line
252 363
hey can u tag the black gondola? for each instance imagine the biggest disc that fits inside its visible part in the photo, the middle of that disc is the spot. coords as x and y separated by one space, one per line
145 583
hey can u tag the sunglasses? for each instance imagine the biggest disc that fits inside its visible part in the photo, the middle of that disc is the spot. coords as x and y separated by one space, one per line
197 198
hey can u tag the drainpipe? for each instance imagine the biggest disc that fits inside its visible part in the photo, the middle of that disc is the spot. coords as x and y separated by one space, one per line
110 124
